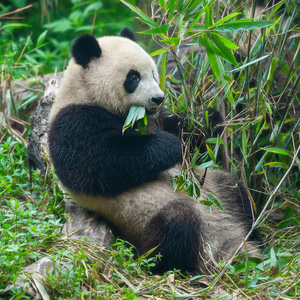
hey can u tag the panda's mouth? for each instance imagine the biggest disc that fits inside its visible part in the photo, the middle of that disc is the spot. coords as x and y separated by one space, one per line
152 110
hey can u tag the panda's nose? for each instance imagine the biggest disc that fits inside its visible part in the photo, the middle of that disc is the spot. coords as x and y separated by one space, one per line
157 100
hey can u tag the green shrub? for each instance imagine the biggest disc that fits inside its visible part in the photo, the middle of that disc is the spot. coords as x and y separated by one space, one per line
40 41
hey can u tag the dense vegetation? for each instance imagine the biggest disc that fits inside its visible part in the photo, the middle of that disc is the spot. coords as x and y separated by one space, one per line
47 28
249 70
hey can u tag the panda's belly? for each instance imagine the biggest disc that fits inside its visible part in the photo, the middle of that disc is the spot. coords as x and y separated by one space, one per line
130 211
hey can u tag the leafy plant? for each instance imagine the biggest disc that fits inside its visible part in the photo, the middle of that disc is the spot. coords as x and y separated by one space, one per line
232 63
25 230
137 114
250 142
44 42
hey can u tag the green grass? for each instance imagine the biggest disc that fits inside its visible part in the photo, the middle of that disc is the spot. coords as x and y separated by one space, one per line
30 217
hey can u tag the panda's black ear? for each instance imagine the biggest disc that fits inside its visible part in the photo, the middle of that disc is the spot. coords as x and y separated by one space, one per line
126 32
84 49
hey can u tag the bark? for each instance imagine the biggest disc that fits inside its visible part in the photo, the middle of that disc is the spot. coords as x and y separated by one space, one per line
80 223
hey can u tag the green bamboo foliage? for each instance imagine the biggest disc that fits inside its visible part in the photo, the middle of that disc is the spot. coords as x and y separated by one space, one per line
248 69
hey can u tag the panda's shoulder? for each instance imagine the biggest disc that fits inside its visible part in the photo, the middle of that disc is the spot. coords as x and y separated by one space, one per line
82 119
86 114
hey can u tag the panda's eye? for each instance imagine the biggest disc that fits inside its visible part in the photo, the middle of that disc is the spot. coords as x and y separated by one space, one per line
134 77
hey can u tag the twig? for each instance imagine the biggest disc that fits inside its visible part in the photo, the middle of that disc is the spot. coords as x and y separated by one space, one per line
23 49
16 11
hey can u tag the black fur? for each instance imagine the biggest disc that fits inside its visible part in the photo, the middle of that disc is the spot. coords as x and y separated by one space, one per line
175 229
91 156
132 80
126 32
84 49
242 206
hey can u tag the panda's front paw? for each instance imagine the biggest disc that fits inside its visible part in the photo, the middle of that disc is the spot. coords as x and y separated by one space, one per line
170 147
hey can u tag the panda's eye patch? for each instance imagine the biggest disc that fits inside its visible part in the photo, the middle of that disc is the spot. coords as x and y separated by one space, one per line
132 80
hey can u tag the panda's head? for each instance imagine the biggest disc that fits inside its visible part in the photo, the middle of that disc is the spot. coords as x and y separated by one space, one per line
112 72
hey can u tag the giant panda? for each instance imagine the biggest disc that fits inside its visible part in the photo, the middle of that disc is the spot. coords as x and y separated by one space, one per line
126 177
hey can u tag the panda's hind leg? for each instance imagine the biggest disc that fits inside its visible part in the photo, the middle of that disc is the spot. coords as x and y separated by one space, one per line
175 232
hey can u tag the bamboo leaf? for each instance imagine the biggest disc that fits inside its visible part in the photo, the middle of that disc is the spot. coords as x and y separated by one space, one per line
246 24
208 18
216 148
207 164
226 85
13 25
203 42
161 29
226 19
171 7
206 202
223 45
190 5
142 128
287 218
130 116
211 154
196 190
195 157
254 281
229 44
136 113
277 165
180 183
271 27
250 63
163 68
215 141
162 4
195 6
216 202
141 112
158 52
180 26
276 8
144 17
244 145
171 41
271 74
273 258
277 151
180 5
212 58
260 163
41 39
191 26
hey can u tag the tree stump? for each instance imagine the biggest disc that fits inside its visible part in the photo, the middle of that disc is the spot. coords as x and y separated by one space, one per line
81 223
